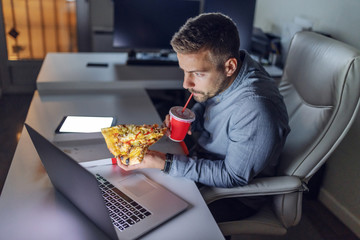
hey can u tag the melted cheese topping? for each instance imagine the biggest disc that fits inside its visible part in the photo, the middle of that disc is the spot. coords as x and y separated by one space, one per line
131 142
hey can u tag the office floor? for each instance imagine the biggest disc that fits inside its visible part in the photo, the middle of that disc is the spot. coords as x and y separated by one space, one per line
317 222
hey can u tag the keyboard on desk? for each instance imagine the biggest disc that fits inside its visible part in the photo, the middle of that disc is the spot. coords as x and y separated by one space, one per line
124 212
151 62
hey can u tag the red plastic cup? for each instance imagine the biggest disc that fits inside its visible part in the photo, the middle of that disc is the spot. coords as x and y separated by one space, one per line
180 122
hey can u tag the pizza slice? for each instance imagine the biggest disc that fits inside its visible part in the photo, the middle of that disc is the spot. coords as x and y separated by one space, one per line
130 142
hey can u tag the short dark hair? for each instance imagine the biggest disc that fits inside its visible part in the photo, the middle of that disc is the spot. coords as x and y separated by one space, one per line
208 31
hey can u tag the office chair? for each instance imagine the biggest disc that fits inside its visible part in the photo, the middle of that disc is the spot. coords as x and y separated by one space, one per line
321 89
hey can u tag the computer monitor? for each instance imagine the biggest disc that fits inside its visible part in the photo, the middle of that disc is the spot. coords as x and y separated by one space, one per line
148 25
241 12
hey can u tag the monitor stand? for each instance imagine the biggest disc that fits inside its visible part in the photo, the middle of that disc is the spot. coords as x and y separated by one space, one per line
151 59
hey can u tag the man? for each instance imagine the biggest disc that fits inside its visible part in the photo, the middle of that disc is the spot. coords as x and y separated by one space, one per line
241 120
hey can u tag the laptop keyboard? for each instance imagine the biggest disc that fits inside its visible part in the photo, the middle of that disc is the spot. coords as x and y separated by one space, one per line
124 211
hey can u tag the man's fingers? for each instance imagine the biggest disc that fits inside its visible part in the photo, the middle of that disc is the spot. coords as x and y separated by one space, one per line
119 163
166 123
167 120
127 167
123 166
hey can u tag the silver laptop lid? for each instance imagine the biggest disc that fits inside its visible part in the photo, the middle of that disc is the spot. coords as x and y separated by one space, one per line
74 182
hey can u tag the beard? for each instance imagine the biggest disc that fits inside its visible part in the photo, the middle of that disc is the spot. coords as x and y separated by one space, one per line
220 86
200 96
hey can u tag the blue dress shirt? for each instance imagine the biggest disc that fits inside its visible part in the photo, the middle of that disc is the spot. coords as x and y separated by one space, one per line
241 131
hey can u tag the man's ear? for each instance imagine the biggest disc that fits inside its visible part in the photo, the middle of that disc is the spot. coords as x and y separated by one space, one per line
230 66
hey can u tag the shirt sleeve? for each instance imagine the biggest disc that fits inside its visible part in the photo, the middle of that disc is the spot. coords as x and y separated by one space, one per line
255 139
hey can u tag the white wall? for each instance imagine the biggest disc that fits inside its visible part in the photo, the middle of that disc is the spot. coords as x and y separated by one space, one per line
340 191
340 18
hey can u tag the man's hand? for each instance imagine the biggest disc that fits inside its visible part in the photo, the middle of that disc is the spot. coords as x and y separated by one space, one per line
167 124
152 159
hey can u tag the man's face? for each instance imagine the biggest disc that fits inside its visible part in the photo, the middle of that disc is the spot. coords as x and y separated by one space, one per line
201 76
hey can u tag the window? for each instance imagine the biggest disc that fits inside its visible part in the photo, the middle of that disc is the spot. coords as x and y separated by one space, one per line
35 27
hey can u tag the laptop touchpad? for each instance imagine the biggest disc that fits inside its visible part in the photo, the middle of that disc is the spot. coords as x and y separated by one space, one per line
137 185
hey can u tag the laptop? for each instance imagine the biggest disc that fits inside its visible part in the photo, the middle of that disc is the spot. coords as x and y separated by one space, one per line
122 204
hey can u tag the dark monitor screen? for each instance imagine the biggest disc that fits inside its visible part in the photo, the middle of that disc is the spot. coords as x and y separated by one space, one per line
150 24
241 12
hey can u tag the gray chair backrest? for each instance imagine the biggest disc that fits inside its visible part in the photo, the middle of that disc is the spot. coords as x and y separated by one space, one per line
321 89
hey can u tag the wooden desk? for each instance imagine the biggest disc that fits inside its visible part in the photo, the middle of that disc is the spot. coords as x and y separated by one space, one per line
30 207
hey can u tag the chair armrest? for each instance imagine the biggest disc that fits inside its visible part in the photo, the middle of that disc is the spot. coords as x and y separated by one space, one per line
258 187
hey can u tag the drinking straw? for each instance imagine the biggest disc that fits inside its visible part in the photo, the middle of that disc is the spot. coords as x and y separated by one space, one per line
184 147
187 102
